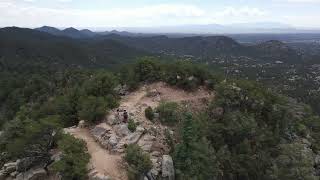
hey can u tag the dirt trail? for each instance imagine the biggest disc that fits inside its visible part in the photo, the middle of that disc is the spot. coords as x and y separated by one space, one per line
135 103
101 160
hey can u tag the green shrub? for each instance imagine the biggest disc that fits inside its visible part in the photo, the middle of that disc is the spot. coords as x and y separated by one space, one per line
149 113
73 164
168 112
112 101
169 140
139 162
147 69
132 126
92 109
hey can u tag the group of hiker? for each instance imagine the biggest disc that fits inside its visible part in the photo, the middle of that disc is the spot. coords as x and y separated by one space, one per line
124 116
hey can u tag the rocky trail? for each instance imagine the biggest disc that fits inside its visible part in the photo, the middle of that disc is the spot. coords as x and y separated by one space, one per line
106 141
102 163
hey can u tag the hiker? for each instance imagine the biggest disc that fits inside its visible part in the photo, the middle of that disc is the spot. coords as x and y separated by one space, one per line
117 116
125 116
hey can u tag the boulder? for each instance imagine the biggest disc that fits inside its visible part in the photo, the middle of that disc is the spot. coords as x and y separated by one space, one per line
98 132
10 167
155 154
26 163
122 130
149 176
306 142
3 175
156 115
133 138
153 93
56 156
112 119
1 132
167 168
82 124
146 142
140 129
98 176
33 174
191 78
157 146
113 140
122 90
14 174
317 160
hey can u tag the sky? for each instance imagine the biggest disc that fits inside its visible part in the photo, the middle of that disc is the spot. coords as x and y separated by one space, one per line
153 13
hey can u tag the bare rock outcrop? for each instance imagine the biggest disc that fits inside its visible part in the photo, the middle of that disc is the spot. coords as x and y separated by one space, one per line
167 168
33 174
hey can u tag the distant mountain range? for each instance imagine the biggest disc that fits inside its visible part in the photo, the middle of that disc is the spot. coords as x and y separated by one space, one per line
85 48
279 32
79 34
19 46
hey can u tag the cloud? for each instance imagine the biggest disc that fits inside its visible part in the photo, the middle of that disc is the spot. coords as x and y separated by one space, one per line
301 1
65 1
19 14
55 0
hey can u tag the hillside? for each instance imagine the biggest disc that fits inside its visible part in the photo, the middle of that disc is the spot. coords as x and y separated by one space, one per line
199 47
196 46
278 50
183 122
106 157
206 48
25 46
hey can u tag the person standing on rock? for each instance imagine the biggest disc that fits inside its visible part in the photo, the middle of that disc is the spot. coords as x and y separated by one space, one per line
125 116
117 116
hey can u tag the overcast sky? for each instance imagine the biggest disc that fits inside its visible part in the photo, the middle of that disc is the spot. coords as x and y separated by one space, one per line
133 13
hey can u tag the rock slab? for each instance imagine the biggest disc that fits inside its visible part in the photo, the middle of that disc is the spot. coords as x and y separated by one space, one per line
167 168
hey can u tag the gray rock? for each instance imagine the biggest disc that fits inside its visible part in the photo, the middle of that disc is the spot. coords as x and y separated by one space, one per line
98 132
146 142
167 168
122 130
149 176
82 124
111 120
98 176
10 167
155 154
317 160
33 174
134 137
14 174
25 163
191 78
306 142
156 115
10 164
130 139
3 175
113 140
140 129
121 90
153 93
1 132
56 157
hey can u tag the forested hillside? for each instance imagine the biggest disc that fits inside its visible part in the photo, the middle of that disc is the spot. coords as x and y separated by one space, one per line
20 47
245 132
